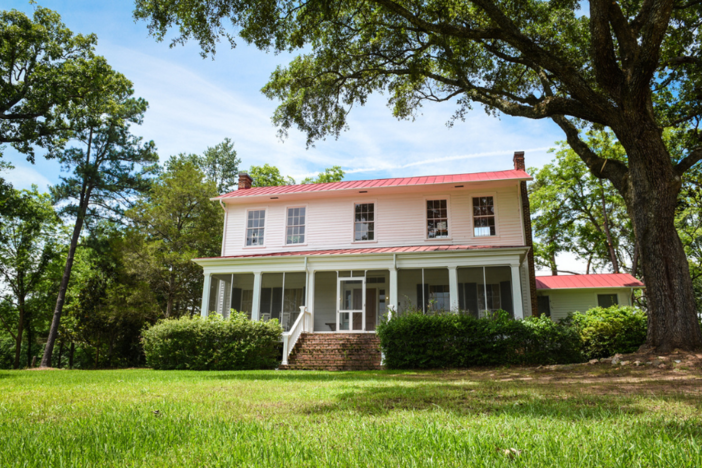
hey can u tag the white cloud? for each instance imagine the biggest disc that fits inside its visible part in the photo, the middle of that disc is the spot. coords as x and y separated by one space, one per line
23 177
191 109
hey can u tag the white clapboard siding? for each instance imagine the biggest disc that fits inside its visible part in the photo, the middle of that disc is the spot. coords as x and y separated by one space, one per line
400 221
565 301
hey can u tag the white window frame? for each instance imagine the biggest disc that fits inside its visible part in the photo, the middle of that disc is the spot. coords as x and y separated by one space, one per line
448 219
375 221
285 226
472 216
265 227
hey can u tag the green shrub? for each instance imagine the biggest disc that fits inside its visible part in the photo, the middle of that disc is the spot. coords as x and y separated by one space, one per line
418 341
212 343
607 331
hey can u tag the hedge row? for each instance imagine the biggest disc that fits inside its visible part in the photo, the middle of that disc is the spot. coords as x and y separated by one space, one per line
418 341
212 343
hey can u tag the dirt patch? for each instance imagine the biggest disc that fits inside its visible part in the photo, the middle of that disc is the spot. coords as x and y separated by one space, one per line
43 368
675 373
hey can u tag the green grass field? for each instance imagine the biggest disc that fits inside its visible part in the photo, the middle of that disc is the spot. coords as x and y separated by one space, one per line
586 416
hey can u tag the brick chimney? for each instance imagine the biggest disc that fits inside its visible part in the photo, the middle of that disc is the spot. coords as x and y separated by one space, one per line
245 181
519 161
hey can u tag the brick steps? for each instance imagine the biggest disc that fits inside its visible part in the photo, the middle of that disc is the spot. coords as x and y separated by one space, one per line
335 351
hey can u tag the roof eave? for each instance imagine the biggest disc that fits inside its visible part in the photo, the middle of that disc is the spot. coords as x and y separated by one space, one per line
591 287
224 197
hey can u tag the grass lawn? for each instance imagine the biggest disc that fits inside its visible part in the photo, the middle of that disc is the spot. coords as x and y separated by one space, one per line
583 416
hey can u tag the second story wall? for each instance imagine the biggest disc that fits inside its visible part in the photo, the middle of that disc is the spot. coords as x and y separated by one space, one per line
400 219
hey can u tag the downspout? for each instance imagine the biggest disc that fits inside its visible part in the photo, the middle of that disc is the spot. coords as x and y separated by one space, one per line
224 232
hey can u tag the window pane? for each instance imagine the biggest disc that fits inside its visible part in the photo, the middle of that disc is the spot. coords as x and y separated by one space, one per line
607 300
437 219
364 221
295 226
255 227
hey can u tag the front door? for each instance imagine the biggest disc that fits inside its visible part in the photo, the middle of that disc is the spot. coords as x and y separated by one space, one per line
351 307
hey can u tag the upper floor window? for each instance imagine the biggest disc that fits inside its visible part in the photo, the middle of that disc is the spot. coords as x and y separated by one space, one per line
295 230
364 222
437 219
255 226
483 216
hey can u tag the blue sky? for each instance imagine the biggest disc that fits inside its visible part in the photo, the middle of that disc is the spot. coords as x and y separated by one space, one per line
196 103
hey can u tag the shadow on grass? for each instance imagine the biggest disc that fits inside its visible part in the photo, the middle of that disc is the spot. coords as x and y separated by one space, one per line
314 376
491 399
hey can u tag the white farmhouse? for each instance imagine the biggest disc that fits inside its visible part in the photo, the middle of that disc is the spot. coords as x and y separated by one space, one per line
329 261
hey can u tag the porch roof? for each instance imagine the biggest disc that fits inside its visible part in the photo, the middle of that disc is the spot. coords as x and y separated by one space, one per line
372 250
613 280
379 183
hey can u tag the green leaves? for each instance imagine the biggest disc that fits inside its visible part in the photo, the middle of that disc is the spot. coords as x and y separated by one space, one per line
573 211
212 343
330 174
268 176
416 341
174 222
608 331
45 72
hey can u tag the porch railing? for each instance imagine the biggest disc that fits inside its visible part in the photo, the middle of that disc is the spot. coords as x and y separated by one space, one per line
291 337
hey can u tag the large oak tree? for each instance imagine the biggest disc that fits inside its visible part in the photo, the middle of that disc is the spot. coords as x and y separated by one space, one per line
630 65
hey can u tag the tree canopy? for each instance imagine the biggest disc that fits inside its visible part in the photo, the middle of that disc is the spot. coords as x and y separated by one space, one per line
330 174
45 73
573 211
268 176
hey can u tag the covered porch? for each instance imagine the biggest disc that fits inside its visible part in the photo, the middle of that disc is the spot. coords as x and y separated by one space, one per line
353 292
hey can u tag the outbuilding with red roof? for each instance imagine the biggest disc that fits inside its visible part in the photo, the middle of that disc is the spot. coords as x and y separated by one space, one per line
559 296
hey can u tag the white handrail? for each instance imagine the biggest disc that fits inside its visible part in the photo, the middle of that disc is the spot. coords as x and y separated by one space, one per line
291 337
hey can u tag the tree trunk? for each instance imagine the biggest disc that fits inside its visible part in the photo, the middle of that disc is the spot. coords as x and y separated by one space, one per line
56 321
97 354
20 332
651 196
60 354
110 349
608 234
169 299
70 355
29 342
554 265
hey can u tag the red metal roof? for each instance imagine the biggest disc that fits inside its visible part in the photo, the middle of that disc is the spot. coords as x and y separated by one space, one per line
372 250
613 280
377 183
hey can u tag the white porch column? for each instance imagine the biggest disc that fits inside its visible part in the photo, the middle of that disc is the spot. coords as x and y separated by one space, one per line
393 300
516 292
256 306
453 288
309 325
206 296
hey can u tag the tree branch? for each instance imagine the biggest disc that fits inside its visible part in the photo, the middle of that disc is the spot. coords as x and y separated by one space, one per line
611 169
688 161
